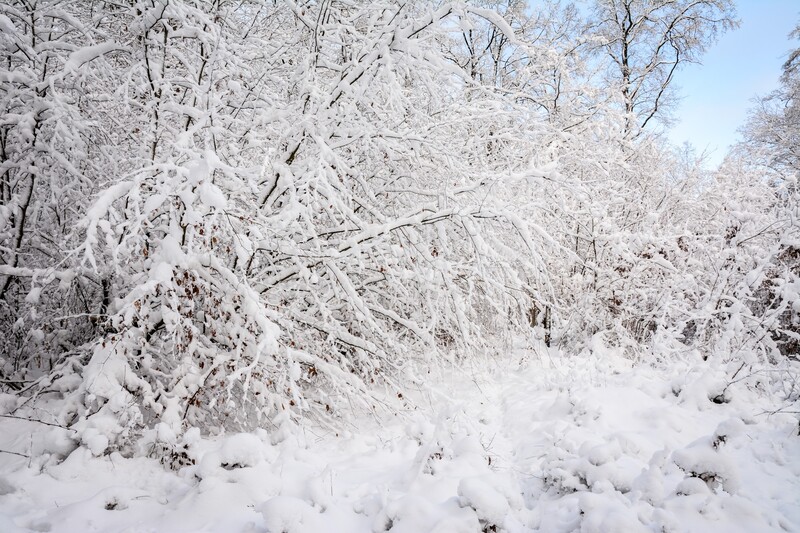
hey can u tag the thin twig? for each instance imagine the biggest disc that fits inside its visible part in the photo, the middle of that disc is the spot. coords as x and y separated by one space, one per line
34 420
16 453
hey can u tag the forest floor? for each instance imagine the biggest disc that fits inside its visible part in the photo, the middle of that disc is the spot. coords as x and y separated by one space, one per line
536 442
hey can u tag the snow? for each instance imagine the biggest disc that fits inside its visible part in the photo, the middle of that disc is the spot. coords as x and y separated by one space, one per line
212 196
86 54
33 295
557 444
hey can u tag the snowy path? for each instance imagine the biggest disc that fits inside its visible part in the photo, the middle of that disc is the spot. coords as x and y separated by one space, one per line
561 445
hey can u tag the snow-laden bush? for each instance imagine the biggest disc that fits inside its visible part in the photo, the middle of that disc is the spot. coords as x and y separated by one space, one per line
290 228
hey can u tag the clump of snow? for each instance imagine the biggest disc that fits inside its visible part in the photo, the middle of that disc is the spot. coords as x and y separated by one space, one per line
692 485
241 450
488 503
212 196
700 460
8 402
33 295
96 441
284 514
86 54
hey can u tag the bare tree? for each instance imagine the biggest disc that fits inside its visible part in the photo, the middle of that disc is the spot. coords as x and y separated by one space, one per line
648 40
772 132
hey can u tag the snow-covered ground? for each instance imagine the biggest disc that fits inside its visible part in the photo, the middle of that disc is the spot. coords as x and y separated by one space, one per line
537 442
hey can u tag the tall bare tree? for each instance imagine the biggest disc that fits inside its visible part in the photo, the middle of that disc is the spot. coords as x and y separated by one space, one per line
648 41
772 132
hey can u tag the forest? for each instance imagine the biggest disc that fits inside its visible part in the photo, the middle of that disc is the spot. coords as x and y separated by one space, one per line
229 225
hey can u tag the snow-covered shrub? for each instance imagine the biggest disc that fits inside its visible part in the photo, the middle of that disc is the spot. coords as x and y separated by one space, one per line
286 228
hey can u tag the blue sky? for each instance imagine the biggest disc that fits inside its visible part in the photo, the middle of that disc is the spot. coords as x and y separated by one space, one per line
744 63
